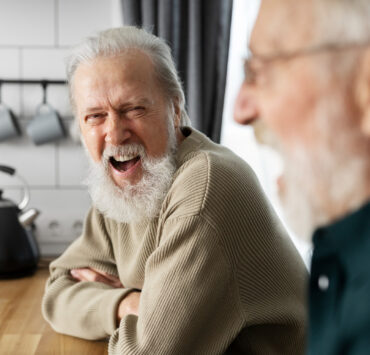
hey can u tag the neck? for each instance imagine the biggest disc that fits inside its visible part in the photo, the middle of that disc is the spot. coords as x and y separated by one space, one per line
360 196
179 136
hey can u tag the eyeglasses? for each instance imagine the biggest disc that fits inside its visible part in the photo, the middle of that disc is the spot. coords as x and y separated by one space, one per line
255 63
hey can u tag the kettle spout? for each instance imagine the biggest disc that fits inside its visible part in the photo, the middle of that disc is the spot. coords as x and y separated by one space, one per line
26 218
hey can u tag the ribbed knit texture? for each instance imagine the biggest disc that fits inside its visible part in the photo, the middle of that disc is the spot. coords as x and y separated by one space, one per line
216 270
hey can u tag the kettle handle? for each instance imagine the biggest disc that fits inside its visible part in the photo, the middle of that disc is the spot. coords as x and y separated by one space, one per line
26 193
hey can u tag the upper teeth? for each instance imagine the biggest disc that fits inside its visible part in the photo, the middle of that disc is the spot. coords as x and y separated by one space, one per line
123 158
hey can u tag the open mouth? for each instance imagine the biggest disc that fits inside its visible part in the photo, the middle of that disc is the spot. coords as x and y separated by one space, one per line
123 164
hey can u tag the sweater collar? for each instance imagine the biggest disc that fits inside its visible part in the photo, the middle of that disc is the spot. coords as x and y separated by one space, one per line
192 142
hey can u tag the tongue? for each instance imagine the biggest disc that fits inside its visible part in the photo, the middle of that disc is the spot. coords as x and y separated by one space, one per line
126 165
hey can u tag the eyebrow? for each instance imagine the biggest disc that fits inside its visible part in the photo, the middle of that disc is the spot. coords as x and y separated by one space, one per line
140 101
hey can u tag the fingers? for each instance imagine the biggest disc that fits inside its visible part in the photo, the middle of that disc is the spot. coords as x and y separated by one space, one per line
92 275
106 275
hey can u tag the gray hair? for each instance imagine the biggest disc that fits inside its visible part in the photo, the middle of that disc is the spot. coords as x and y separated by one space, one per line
343 21
112 42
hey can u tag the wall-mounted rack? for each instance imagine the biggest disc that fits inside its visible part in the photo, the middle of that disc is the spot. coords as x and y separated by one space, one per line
46 126
43 82
25 81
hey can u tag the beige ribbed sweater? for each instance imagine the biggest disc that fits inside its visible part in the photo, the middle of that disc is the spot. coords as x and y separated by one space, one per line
216 270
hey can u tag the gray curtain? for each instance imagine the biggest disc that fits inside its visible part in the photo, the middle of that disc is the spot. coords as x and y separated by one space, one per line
198 32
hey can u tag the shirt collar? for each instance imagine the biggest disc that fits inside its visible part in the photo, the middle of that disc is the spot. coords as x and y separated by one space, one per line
343 232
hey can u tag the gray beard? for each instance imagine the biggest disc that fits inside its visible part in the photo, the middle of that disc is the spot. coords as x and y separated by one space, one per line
137 202
326 180
341 178
323 184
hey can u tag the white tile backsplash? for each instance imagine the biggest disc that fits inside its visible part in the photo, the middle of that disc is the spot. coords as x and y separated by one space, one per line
35 164
62 213
81 18
27 22
44 63
117 14
10 63
35 38
10 68
73 163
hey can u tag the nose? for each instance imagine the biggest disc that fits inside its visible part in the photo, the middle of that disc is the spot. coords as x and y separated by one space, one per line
246 108
117 132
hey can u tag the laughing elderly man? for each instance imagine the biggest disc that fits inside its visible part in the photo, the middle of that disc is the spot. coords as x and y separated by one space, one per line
309 80
181 253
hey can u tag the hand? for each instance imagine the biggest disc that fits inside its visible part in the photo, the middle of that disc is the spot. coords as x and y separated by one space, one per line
129 305
93 275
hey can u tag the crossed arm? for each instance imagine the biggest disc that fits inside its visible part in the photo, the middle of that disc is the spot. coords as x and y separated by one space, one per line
128 305
174 312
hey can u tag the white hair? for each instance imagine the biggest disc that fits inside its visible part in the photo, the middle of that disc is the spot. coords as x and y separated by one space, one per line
135 202
343 24
343 21
115 41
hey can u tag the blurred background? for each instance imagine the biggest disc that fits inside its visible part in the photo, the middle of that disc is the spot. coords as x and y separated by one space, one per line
209 42
35 36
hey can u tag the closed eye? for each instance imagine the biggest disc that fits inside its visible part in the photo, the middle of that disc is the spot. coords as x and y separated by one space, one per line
136 111
138 108
94 118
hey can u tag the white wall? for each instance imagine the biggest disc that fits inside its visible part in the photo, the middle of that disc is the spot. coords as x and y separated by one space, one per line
35 36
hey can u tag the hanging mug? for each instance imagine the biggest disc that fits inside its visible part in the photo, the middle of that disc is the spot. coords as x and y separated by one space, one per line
8 124
46 126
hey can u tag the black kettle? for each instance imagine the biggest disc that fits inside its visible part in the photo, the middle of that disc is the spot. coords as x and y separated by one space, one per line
19 253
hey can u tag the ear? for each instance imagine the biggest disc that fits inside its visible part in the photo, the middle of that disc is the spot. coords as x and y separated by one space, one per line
177 113
245 107
363 91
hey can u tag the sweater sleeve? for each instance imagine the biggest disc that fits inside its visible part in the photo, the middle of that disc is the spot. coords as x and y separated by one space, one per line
189 302
83 309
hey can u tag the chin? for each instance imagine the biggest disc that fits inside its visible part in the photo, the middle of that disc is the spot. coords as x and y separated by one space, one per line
123 182
131 201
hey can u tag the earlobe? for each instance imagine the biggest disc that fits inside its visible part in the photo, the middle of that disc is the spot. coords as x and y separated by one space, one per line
177 113
363 92
239 105
365 125
245 108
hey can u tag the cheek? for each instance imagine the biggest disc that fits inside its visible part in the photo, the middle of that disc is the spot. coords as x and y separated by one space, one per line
94 143
156 137
288 111
157 142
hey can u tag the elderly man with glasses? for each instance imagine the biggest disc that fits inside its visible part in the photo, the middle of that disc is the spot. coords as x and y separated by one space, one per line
308 79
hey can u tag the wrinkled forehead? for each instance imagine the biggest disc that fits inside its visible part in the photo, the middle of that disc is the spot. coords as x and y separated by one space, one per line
131 64
282 26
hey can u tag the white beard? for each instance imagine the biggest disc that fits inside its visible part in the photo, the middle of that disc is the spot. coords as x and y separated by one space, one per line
298 198
140 201
329 180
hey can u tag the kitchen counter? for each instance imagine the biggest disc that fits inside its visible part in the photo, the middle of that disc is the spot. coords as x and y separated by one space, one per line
23 331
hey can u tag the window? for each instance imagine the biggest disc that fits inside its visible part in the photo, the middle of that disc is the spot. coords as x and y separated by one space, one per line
240 139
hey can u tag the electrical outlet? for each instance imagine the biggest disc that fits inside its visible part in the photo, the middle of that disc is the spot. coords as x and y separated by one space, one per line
77 228
54 228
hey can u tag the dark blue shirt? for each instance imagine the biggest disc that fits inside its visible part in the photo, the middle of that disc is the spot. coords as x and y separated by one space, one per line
340 287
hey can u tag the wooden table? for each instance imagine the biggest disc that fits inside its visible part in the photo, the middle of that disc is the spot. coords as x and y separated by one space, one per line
23 331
